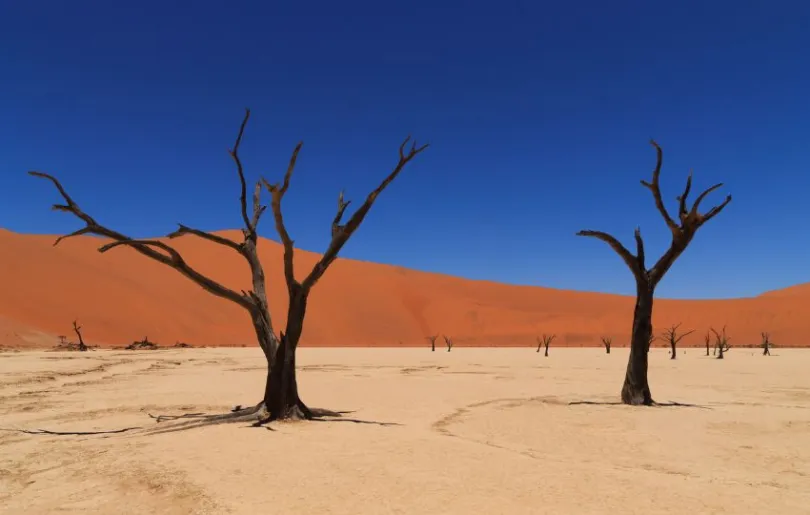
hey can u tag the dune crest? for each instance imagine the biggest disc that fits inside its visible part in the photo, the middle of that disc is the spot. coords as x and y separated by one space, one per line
121 296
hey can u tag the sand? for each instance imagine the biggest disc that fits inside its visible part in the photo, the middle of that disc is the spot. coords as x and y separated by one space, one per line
473 431
121 296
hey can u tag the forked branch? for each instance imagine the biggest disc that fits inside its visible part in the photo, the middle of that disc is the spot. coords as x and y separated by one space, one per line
682 230
166 254
340 232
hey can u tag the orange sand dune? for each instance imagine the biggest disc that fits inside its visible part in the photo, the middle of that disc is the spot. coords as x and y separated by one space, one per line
122 296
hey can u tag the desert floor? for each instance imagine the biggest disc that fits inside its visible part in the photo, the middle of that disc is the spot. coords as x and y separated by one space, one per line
472 431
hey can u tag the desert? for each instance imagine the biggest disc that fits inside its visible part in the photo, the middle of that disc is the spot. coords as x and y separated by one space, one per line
471 431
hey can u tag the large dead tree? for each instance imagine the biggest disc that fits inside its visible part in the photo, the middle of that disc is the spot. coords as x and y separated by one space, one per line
636 389
766 344
280 399
674 338
545 341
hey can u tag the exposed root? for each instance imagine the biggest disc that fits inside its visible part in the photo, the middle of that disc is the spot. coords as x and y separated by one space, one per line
653 404
68 433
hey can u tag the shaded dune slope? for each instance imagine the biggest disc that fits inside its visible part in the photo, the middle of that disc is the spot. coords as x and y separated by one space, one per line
121 296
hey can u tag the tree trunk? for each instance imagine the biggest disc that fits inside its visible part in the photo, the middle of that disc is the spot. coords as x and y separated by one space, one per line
707 347
636 390
672 344
281 398
607 348
546 351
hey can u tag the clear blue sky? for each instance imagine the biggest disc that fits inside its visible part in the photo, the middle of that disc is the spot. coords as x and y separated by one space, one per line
538 113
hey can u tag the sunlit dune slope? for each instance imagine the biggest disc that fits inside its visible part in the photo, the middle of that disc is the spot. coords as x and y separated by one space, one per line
121 296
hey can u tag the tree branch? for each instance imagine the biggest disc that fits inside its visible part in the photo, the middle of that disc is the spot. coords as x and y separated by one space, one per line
342 205
144 247
234 152
629 259
277 194
183 230
342 235
655 188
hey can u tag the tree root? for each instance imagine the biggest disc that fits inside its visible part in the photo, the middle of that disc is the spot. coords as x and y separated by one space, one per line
68 433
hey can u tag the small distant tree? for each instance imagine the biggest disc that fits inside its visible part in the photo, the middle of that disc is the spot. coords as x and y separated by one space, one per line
721 342
607 341
673 338
63 340
144 344
449 342
708 340
78 330
545 341
636 388
432 340
766 344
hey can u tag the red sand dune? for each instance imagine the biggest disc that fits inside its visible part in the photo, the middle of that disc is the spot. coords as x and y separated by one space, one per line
122 296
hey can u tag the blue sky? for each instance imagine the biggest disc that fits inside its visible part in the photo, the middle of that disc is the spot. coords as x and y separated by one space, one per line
538 115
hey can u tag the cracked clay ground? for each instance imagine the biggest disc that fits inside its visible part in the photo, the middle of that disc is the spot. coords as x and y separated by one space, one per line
473 431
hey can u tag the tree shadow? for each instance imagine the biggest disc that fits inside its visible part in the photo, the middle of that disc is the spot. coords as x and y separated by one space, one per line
671 404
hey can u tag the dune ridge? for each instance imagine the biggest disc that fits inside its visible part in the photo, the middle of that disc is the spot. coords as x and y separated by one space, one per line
122 296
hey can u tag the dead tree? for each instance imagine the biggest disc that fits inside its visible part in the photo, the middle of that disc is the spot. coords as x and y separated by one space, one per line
545 341
607 341
62 341
78 330
707 339
280 399
673 338
432 340
636 389
721 342
449 342
144 344
766 344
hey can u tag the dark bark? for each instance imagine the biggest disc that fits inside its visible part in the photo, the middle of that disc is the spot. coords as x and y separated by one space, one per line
766 344
607 342
546 353
673 346
432 340
636 389
708 340
78 330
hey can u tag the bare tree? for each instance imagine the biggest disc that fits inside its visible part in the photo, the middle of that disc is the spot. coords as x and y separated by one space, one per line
144 344
62 340
707 339
78 330
280 399
449 342
673 338
545 341
766 344
607 341
721 342
636 389
432 340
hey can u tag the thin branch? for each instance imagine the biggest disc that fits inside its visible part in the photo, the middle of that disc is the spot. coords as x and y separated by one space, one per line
655 188
183 230
234 152
340 237
629 259
170 258
682 211
277 194
342 205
